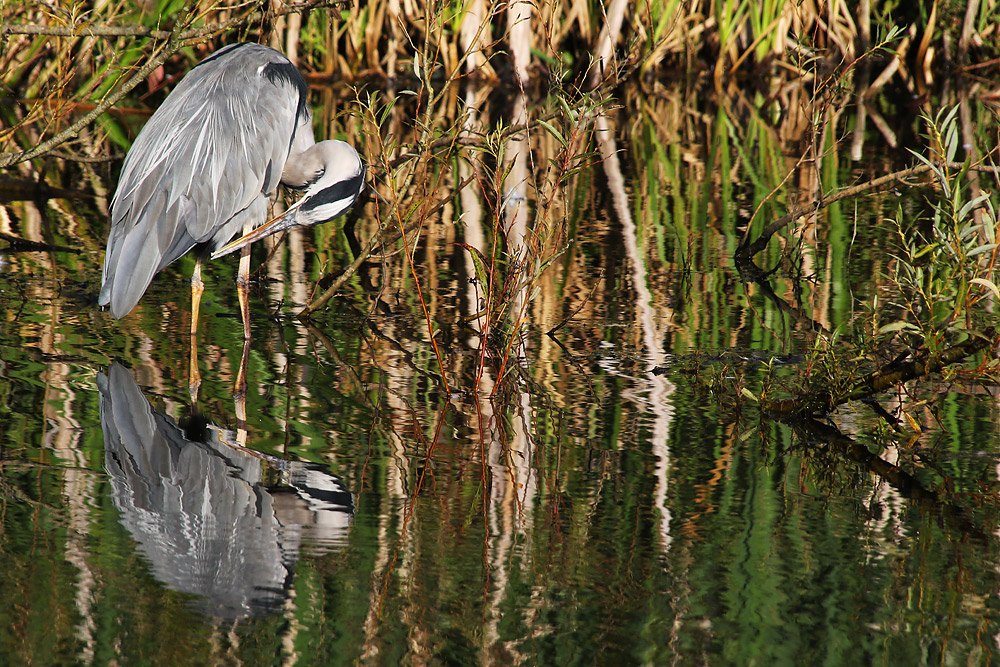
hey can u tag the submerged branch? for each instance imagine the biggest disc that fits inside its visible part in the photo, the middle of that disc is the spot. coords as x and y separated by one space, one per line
883 378
18 244
19 189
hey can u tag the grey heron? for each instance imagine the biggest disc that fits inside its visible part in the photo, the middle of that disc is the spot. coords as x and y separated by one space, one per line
203 167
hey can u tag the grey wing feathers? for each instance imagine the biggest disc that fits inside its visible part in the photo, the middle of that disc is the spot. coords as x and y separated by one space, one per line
215 147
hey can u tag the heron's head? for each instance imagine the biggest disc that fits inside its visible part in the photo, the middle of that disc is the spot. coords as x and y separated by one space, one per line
337 176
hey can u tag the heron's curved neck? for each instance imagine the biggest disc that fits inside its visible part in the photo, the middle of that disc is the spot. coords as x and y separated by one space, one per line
302 163
301 166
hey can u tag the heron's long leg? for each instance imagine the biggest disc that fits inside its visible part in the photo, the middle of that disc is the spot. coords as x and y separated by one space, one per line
197 289
243 285
243 294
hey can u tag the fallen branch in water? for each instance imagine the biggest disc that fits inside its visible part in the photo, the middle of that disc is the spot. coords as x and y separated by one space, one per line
20 189
891 375
17 244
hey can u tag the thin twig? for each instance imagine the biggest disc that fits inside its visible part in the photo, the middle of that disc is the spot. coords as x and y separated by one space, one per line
377 240
73 130
566 320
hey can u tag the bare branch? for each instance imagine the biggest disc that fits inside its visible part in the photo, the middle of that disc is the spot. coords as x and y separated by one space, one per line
746 251
100 31
166 50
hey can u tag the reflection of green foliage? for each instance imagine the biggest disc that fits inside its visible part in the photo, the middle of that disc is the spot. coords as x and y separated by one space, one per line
37 584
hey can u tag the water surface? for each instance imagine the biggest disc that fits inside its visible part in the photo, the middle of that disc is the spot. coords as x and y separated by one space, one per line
556 502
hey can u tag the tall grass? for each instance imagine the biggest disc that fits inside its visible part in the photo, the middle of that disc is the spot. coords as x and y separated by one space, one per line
379 38
57 61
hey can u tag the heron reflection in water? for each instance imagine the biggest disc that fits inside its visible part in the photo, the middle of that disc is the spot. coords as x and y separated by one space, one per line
203 167
199 509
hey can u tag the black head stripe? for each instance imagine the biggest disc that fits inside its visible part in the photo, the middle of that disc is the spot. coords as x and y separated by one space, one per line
286 72
341 191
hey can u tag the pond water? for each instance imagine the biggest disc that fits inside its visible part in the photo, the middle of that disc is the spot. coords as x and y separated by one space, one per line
545 499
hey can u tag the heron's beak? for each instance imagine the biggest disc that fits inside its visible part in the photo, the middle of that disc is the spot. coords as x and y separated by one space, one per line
280 223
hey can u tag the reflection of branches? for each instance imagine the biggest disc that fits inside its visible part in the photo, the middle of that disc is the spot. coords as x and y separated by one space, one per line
407 357
909 486
352 374
551 332
750 272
